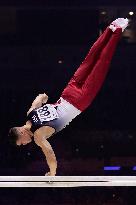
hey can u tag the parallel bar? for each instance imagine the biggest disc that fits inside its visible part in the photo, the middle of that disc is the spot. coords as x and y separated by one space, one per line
65 178
67 184
66 181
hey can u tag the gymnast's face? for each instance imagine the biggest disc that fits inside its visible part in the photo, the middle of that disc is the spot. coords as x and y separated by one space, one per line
24 136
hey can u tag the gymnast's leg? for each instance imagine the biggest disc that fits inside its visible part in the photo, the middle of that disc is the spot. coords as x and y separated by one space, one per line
91 58
96 78
89 77
72 91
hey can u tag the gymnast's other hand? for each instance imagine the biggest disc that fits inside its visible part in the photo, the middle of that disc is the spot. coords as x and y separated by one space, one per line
39 100
42 97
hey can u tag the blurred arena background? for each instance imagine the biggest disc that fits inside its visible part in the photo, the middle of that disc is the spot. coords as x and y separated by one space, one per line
41 45
68 196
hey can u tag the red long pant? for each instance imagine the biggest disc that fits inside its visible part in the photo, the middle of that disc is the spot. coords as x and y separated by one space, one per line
88 79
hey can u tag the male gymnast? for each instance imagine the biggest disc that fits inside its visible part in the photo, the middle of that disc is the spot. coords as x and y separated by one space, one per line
44 120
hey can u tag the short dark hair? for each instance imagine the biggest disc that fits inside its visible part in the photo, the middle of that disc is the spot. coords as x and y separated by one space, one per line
13 135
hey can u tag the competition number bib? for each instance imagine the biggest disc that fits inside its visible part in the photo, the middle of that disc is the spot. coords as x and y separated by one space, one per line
47 113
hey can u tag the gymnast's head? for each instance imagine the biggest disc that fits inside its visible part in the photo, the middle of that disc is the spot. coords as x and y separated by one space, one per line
20 135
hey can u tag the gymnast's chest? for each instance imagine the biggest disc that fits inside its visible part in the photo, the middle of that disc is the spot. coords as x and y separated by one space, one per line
43 115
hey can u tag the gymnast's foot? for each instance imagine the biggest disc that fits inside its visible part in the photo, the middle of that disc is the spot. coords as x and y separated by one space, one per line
119 23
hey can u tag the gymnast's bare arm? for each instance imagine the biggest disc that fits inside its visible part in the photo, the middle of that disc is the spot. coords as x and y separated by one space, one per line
41 135
48 152
39 100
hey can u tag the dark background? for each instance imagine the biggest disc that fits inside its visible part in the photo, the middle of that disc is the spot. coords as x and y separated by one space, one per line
42 43
69 196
